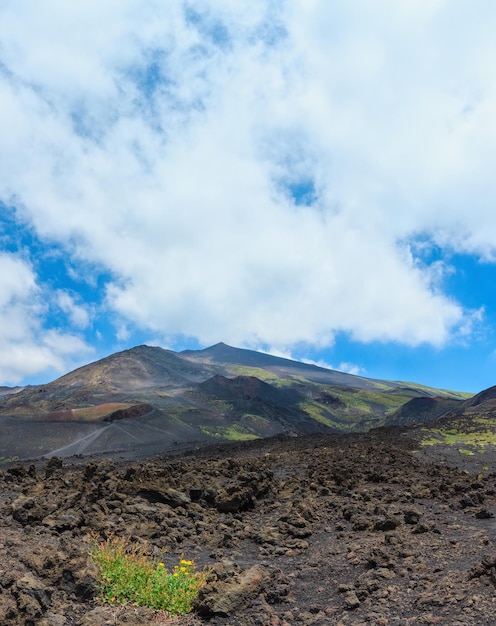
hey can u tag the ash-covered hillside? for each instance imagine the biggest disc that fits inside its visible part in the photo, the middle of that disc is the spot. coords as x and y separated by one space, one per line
155 400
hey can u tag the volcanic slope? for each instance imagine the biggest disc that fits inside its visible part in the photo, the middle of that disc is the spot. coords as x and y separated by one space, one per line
467 430
150 400
317 530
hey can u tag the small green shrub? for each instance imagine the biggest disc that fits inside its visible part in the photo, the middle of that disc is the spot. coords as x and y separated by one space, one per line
129 576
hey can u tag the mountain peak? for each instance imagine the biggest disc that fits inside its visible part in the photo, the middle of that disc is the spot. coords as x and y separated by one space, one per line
158 397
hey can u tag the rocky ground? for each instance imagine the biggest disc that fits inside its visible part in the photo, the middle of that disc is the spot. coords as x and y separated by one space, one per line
312 530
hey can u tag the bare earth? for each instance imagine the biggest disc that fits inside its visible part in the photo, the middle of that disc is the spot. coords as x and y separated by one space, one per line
313 530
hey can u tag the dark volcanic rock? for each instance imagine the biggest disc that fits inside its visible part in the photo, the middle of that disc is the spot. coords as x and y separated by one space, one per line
249 387
422 409
227 597
313 530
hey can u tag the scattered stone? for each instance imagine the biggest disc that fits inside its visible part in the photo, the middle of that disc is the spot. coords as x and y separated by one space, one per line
53 464
351 600
225 598
411 517
386 523
169 496
292 532
484 514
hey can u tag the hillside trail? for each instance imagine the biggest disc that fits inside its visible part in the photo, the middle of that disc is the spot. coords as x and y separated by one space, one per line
78 446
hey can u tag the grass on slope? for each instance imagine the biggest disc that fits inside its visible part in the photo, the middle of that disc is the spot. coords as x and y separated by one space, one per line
257 372
361 409
469 436
229 433
424 390
355 409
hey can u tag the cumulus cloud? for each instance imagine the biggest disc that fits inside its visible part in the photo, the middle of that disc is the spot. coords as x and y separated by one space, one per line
79 314
26 347
344 366
255 174
351 368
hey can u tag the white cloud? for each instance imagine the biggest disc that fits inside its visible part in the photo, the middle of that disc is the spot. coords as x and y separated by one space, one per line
79 314
344 366
351 368
180 185
26 347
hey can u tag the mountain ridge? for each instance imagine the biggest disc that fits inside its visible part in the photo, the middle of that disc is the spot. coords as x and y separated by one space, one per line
220 393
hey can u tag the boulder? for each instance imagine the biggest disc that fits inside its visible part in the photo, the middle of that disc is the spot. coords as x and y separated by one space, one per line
225 598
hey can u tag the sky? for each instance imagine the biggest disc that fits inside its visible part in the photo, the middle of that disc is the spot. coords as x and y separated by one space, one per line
311 179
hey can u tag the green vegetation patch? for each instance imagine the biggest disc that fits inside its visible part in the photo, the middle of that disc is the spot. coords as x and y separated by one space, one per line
424 390
367 401
126 575
359 408
229 433
221 406
316 412
257 372
454 437
256 419
379 386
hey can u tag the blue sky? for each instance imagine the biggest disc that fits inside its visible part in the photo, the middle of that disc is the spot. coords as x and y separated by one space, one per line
311 179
